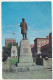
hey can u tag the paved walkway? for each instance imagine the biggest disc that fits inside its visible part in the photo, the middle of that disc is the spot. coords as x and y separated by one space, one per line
43 74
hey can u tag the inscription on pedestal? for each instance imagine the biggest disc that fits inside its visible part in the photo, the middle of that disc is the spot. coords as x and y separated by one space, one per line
25 50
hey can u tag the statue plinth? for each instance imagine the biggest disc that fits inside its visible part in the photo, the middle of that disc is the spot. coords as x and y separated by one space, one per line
25 52
25 59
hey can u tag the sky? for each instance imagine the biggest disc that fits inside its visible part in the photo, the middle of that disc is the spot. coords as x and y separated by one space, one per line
37 16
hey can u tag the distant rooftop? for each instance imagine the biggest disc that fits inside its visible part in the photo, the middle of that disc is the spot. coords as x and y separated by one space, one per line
9 38
41 38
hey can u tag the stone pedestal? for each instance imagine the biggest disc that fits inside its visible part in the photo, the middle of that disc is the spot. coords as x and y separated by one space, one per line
25 59
7 64
14 51
25 52
47 63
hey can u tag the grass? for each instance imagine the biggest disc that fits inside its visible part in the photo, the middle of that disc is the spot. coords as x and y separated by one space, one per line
14 60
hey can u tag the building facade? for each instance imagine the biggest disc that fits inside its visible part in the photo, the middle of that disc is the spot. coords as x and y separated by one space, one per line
8 40
39 42
48 47
31 45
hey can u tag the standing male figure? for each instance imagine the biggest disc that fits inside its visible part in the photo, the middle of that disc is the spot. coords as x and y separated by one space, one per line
23 26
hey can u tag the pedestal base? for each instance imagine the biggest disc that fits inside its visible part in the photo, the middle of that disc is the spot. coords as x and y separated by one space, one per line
30 68
25 60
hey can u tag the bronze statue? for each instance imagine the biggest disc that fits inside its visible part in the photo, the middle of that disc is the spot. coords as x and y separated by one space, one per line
23 26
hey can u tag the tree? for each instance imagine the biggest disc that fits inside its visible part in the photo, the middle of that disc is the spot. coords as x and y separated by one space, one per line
7 50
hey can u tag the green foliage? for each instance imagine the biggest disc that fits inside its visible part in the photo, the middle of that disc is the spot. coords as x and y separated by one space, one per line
14 60
7 50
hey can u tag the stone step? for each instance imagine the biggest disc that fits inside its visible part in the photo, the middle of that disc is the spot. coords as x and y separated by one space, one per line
26 64
25 60
31 68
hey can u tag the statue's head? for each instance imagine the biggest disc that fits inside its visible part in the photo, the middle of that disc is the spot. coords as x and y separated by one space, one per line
23 19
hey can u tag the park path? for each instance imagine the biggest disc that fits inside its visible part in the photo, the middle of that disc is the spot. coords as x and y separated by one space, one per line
42 74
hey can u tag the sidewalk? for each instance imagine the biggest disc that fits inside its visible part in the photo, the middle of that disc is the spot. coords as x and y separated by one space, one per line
43 74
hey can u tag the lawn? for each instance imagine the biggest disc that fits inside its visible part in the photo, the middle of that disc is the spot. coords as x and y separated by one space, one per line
14 60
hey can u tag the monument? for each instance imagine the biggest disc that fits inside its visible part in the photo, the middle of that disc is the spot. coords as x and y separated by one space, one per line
25 59
14 51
